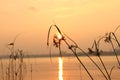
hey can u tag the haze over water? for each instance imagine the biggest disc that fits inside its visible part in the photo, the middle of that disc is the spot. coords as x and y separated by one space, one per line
67 68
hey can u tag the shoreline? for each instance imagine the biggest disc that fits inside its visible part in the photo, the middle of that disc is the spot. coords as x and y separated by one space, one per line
57 55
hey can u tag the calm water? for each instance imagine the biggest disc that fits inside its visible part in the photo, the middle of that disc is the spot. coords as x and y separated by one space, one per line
67 68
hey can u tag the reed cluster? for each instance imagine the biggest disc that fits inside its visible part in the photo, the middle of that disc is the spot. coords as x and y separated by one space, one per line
15 68
95 49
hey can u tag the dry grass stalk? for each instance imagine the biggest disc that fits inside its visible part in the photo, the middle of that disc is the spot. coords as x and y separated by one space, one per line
57 43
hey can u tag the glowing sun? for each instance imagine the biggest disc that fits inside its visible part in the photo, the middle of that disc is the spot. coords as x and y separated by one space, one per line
59 35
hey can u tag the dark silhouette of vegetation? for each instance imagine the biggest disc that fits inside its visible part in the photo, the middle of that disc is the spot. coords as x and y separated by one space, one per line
108 38
73 47
57 43
16 67
98 52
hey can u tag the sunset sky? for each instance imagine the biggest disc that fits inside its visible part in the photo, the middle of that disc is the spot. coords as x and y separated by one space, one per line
82 20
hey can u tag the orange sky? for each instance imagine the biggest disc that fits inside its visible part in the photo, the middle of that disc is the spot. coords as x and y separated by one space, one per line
82 20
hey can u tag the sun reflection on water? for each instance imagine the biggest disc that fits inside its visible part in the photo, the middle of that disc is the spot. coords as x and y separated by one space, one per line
60 74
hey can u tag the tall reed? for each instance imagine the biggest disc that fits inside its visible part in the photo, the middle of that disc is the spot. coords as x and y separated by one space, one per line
98 54
16 64
91 51
2 70
57 43
109 39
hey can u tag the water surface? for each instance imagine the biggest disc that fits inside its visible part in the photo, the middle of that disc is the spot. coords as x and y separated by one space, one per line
66 68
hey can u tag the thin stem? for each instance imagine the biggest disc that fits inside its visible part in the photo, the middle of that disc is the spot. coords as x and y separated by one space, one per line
98 54
80 61
115 52
2 70
116 29
31 71
50 54
87 54
71 40
104 67
94 63
116 39
111 70
49 32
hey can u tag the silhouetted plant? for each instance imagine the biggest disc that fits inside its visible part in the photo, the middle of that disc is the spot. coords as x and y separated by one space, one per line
31 71
2 70
73 47
113 69
16 66
90 51
98 53
109 39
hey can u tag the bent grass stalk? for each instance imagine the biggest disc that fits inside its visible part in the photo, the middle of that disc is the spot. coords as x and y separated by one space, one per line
98 54
88 57
74 52
108 39
111 33
113 69
114 35
57 44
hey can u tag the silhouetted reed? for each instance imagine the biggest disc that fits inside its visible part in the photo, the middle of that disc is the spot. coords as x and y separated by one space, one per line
98 53
90 51
16 65
31 71
57 43
2 69
15 68
118 67
108 38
